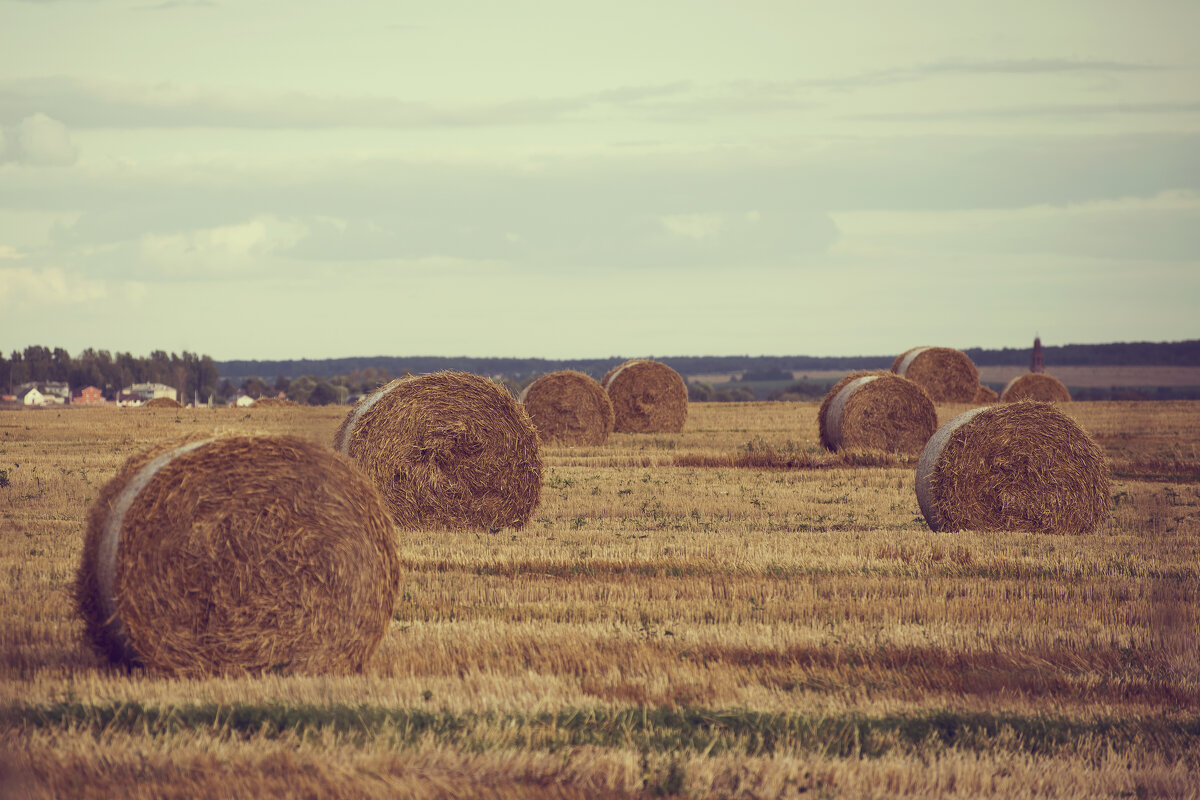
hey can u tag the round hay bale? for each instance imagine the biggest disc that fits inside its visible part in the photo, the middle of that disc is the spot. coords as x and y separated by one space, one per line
876 411
271 402
647 397
948 375
1023 466
1035 386
568 407
447 450
823 411
238 554
161 402
985 395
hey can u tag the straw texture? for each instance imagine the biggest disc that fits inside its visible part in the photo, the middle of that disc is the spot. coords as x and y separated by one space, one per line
948 375
272 402
569 408
161 402
447 450
238 554
647 397
1035 386
1023 466
985 395
876 411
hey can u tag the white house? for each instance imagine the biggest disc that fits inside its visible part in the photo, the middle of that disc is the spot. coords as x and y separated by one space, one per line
31 397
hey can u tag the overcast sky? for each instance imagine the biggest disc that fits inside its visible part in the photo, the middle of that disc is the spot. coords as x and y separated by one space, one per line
271 179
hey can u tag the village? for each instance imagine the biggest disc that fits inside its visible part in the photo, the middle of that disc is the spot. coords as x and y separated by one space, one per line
41 394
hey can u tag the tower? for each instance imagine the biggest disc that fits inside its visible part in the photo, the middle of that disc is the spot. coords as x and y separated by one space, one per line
1038 362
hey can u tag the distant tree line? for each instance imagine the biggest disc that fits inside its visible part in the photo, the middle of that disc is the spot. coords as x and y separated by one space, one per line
191 374
1185 353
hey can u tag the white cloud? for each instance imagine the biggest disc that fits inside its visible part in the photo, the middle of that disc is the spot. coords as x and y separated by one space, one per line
693 226
1165 226
47 286
38 140
221 250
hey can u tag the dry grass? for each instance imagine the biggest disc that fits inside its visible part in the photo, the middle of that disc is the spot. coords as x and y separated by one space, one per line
727 630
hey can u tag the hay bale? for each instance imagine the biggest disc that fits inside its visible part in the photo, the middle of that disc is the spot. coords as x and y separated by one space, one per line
447 450
161 402
876 411
1035 386
568 407
271 402
948 375
985 395
1023 466
647 397
238 554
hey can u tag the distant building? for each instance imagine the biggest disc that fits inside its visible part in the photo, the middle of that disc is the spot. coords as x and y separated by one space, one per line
88 396
149 391
129 400
243 400
30 396
58 392
1038 362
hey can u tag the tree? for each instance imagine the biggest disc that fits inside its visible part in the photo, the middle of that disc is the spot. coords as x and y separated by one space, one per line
255 387
325 393
301 388
282 383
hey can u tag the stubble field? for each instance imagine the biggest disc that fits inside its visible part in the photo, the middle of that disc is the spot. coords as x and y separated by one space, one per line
724 611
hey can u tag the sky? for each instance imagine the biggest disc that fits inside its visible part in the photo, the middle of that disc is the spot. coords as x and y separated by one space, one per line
264 179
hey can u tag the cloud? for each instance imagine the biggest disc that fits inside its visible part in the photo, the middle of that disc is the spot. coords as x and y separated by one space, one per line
1165 227
47 286
225 250
1063 110
91 103
37 140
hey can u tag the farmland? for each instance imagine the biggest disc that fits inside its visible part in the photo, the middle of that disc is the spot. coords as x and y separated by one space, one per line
723 611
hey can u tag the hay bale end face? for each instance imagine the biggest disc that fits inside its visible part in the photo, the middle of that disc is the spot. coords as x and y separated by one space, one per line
447 450
985 395
1023 466
569 408
239 554
948 375
1035 386
647 397
876 411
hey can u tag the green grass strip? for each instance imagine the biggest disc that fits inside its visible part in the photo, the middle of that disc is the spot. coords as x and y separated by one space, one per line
644 730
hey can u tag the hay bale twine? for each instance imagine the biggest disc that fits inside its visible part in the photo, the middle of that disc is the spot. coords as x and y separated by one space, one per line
447 450
948 375
1023 466
876 411
1035 386
647 397
568 407
238 554
161 402
985 395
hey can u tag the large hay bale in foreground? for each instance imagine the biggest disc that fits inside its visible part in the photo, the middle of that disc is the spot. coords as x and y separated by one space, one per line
161 402
985 395
647 397
568 407
948 375
876 411
1035 386
1023 466
238 554
447 450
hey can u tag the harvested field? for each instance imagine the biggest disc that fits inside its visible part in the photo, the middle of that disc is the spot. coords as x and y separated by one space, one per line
725 611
